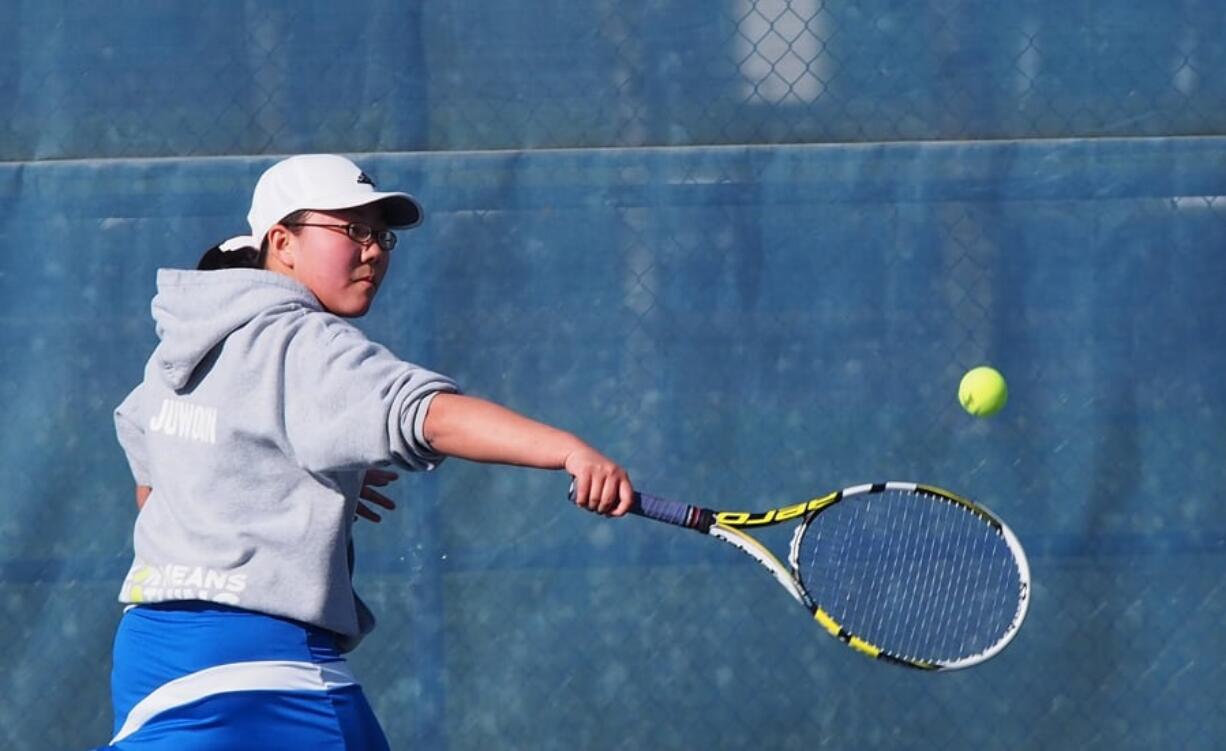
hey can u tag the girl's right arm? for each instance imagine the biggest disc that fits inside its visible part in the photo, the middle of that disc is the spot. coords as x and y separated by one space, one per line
478 430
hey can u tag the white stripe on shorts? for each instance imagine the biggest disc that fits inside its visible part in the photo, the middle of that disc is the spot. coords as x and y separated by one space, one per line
265 675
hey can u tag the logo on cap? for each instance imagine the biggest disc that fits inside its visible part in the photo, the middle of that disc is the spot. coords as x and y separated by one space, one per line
365 179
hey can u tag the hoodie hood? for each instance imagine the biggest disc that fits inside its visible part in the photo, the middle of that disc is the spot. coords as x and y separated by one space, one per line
196 310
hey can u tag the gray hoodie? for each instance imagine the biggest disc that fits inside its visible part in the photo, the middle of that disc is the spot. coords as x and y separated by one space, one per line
258 414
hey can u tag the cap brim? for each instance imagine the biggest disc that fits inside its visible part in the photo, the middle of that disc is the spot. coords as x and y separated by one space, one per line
401 210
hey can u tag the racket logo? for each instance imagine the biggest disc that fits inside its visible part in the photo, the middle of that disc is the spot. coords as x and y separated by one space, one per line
775 515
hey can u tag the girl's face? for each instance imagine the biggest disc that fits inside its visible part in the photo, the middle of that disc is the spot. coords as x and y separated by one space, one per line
343 274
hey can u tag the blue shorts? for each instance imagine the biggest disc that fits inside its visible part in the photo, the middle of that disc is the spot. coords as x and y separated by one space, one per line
194 675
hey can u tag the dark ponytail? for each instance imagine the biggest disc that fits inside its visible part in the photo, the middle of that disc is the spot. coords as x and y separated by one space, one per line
243 258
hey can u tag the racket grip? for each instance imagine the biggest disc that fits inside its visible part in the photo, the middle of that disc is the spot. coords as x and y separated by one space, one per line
672 512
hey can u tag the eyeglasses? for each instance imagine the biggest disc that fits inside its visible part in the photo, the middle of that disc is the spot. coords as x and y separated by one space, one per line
362 234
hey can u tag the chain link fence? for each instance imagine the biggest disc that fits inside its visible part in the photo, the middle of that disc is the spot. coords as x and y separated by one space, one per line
160 79
853 203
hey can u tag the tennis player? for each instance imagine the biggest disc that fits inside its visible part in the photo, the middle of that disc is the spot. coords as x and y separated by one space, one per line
263 421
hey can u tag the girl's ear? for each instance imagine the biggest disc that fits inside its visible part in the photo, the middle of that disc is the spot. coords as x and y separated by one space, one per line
281 246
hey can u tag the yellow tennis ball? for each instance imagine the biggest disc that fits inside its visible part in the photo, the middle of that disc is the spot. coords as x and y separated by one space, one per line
983 391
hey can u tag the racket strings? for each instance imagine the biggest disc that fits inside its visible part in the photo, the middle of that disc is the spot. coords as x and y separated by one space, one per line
913 575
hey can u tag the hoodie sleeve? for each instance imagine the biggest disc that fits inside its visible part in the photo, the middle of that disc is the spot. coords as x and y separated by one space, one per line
129 428
351 403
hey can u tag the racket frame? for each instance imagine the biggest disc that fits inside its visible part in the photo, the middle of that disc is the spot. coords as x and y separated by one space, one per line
728 525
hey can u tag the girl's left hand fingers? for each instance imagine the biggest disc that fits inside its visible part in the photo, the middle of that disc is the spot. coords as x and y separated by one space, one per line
366 513
379 477
374 496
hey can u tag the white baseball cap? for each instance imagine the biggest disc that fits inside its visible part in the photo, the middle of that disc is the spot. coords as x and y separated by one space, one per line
323 182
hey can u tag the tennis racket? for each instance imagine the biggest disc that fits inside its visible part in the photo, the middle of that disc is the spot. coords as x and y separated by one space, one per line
905 573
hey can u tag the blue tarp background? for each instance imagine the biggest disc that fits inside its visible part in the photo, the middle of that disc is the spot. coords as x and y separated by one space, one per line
748 249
